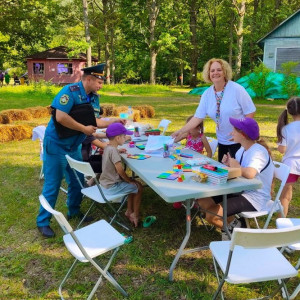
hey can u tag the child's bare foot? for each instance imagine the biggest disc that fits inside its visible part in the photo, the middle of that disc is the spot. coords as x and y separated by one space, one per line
127 214
134 219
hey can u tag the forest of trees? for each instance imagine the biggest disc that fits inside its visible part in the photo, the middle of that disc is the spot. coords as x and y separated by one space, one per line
155 41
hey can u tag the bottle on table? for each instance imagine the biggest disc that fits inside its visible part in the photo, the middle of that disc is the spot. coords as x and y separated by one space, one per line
130 116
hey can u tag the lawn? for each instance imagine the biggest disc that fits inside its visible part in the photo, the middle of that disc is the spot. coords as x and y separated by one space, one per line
32 267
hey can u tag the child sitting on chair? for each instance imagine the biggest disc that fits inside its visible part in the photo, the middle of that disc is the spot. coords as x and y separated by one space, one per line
196 139
113 177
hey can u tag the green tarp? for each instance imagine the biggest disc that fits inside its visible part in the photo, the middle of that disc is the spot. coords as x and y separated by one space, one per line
273 82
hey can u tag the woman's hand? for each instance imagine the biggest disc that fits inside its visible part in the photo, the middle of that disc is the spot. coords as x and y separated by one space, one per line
176 135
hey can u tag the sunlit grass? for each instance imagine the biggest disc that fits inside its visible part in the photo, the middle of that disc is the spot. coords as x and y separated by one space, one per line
32 267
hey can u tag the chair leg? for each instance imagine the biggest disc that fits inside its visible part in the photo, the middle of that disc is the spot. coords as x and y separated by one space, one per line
66 277
109 277
218 279
41 173
256 223
247 223
93 202
105 270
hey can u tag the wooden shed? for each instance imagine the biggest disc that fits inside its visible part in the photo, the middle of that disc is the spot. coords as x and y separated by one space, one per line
282 44
56 66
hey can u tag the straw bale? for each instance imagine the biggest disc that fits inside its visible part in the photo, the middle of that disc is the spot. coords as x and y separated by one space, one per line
16 114
4 119
108 109
147 111
15 132
38 112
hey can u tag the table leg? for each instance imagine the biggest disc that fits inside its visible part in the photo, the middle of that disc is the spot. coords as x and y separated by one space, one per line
185 240
225 226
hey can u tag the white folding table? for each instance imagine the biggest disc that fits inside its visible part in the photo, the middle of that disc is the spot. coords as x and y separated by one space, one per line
188 190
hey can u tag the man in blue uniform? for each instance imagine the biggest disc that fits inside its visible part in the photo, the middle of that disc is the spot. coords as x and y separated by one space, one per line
55 148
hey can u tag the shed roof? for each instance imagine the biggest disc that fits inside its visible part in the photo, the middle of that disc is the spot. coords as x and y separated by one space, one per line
262 40
60 52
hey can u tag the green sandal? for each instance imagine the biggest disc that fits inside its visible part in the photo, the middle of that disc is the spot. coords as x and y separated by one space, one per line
148 221
128 239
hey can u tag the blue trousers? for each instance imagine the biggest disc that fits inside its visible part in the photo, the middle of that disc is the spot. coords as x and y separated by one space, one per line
55 167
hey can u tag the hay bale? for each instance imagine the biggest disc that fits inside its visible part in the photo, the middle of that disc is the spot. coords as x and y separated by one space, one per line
38 112
4 119
147 111
108 109
15 132
16 114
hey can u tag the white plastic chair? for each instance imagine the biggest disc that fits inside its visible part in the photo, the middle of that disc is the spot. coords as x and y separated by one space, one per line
213 143
87 243
96 193
164 123
288 223
39 133
281 172
252 256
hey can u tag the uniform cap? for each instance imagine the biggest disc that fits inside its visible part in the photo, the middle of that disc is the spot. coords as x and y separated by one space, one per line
97 71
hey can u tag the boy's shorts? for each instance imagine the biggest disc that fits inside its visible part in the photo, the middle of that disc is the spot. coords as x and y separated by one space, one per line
121 188
292 178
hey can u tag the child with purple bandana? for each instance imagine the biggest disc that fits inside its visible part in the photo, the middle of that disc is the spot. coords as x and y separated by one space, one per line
113 178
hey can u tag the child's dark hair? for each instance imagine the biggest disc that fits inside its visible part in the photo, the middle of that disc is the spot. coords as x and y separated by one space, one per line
293 108
200 126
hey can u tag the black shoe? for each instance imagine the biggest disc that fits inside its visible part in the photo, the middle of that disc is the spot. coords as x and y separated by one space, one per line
46 231
80 216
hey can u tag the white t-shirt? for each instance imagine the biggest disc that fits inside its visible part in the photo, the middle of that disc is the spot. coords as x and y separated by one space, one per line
291 139
257 157
236 103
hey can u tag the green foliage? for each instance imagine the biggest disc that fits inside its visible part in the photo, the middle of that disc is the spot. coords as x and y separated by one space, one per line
259 83
289 83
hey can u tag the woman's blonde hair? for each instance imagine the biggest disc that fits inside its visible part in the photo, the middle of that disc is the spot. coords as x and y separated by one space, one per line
225 67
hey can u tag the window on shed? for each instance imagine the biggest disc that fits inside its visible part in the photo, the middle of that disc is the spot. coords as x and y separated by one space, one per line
64 68
288 54
38 68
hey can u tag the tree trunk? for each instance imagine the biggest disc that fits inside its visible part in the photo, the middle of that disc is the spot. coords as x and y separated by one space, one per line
107 40
87 33
181 64
230 52
253 29
153 13
113 67
240 30
194 53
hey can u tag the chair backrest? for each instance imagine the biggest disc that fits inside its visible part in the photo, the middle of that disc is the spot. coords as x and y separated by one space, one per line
265 238
213 143
81 167
164 124
60 218
39 133
281 172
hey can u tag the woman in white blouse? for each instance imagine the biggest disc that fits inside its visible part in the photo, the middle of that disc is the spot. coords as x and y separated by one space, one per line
222 100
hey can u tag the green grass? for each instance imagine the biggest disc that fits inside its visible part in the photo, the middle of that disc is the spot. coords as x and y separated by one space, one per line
32 267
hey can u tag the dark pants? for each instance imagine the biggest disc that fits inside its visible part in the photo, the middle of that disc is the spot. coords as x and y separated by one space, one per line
224 149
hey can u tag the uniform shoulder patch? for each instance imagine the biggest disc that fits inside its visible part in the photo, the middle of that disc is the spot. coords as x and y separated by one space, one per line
74 88
64 99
